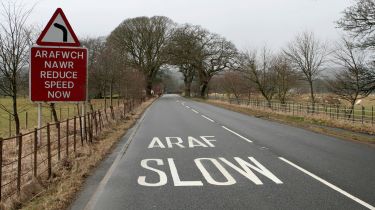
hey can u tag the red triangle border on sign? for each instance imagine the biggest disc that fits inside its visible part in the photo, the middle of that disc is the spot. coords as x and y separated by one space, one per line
49 24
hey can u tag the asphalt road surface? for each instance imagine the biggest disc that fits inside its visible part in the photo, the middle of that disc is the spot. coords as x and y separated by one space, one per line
189 155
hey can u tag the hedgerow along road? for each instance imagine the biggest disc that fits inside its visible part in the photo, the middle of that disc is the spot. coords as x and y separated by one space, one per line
184 154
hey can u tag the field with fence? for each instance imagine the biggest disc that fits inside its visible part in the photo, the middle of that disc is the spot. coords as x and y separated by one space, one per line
28 113
363 114
36 152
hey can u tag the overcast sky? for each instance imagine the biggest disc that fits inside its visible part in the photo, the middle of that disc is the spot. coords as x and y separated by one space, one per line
248 23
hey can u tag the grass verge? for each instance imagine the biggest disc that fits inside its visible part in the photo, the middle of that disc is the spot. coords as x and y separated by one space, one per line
68 178
335 128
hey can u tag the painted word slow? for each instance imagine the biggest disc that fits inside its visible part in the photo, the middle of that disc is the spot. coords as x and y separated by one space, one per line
209 168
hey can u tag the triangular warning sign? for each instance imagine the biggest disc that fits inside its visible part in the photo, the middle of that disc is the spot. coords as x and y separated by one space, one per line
58 32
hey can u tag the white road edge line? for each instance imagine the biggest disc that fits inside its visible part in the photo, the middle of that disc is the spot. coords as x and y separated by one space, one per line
195 111
329 184
208 118
244 138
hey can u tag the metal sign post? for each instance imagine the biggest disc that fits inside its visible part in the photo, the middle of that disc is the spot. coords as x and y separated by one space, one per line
39 122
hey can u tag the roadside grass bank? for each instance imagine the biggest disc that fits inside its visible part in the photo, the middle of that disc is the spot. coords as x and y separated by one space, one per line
69 176
336 128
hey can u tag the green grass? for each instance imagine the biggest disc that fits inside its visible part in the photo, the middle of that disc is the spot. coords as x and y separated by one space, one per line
26 107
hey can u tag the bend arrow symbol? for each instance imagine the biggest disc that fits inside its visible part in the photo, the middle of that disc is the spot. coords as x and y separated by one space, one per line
63 29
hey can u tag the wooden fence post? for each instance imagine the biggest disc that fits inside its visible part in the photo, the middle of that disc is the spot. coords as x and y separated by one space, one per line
58 141
19 164
35 171
96 123
363 113
1 167
10 125
89 122
75 134
26 120
80 129
124 110
84 127
100 121
293 108
49 151
112 113
67 137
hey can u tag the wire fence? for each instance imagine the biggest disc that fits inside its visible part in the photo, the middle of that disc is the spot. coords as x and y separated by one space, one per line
36 153
364 115
28 115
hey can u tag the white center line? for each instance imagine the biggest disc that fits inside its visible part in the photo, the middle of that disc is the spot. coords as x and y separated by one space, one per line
195 111
208 118
244 138
329 184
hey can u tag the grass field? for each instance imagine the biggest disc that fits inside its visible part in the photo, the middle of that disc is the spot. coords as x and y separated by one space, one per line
29 111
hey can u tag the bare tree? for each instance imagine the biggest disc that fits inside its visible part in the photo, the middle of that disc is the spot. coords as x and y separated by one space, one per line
258 70
183 50
233 82
286 77
97 81
200 53
308 55
217 54
15 41
359 20
351 82
142 41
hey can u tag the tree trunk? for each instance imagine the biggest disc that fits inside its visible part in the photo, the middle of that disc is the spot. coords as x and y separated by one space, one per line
105 98
237 98
91 106
203 87
54 113
269 103
187 89
312 96
352 104
149 87
15 114
111 95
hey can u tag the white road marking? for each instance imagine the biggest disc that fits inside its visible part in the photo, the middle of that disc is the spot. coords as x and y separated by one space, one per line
329 184
244 138
208 118
187 107
195 111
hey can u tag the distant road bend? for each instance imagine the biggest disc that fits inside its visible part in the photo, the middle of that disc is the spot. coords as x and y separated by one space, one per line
184 154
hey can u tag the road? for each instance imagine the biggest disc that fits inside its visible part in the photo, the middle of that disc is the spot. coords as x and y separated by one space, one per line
189 155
